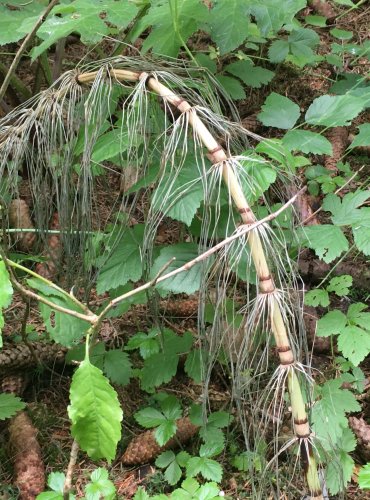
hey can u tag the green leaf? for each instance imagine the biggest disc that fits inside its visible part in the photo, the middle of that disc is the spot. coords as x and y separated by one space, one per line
319 21
164 459
194 365
278 51
117 366
257 179
100 486
331 323
340 285
185 282
171 408
9 405
271 17
364 477
109 145
354 342
361 231
229 24
232 86
253 76
148 344
339 472
125 262
165 432
95 412
363 137
173 473
56 481
318 297
341 34
63 328
52 495
220 419
141 494
345 210
349 3
334 111
6 293
11 20
149 417
279 111
328 241
83 17
207 467
307 142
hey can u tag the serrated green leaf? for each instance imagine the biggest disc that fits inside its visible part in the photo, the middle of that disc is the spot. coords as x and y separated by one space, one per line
354 342
56 481
363 137
9 405
117 366
109 145
319 21
361 231
148 344
182 458
63 328
185 282
141 494
208 491
125 262
259 176
220 419
164 459
334 111
345 210
328 241
229 24
307 142
279 111
11 20
331 323
6 293
95 412
171 408
232 86
340 285
339 472
364 477
207 467
271 17
149 417
253 76
317 297
83 17
100 486
278 51
173 473
165 431
341 34
193 365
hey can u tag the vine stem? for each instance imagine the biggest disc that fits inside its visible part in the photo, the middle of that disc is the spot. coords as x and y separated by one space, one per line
23 47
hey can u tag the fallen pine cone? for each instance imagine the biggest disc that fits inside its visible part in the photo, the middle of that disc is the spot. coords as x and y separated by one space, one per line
20 218
362 431
338 136
323 8
144 447
251 122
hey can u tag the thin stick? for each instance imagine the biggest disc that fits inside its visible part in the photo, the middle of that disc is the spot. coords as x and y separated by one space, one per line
71 464
22 48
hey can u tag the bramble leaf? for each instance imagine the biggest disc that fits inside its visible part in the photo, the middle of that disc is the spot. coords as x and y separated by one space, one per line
317 297
9 405
100 486
95 412
340 285
6 293
253 76
207 467
117 366
232 86
331 323
307 142
354 342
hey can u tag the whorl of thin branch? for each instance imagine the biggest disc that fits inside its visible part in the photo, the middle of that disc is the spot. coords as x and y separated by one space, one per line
338 136
20 218
29 471
144 447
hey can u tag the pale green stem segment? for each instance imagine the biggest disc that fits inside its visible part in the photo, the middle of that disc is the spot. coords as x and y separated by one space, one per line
266 284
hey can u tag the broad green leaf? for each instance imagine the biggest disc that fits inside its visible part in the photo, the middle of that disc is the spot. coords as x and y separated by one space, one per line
173 473
339 472
117 366
95 412
207 467
84 17
171 408
100 486
278 51
334 111
9 405
271 17
319 21
165 432
186 281
205 61
148 344
345 210
279 111
193 365
331 323
341 34
149 417
307 142
253 76
6 293
125 262
232 86
165 459
327 240
361 231
259 176
364 477
63 328
354 342
52 495
56 481
229 24
356 315
12 15
109 145
220 419
363 137
340 285
317 297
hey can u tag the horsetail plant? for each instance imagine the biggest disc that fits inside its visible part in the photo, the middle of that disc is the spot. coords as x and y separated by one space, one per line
47 134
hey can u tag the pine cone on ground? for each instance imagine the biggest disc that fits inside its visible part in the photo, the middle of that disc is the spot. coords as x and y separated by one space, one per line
14 383
20 356
181 308
144 447
20 218
362 431
338 136
323 8
251 122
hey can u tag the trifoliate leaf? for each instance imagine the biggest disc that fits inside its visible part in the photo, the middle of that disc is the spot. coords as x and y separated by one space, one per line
340 285
147 343
232 86
171 408
307 142
327 240
95 412
364 477
9 405
56 481
363 137
220 419
165 459
334 111
207 467
117 366
279 111
186 281
318 297
253 76
331 323
124 264
63 328
229 24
